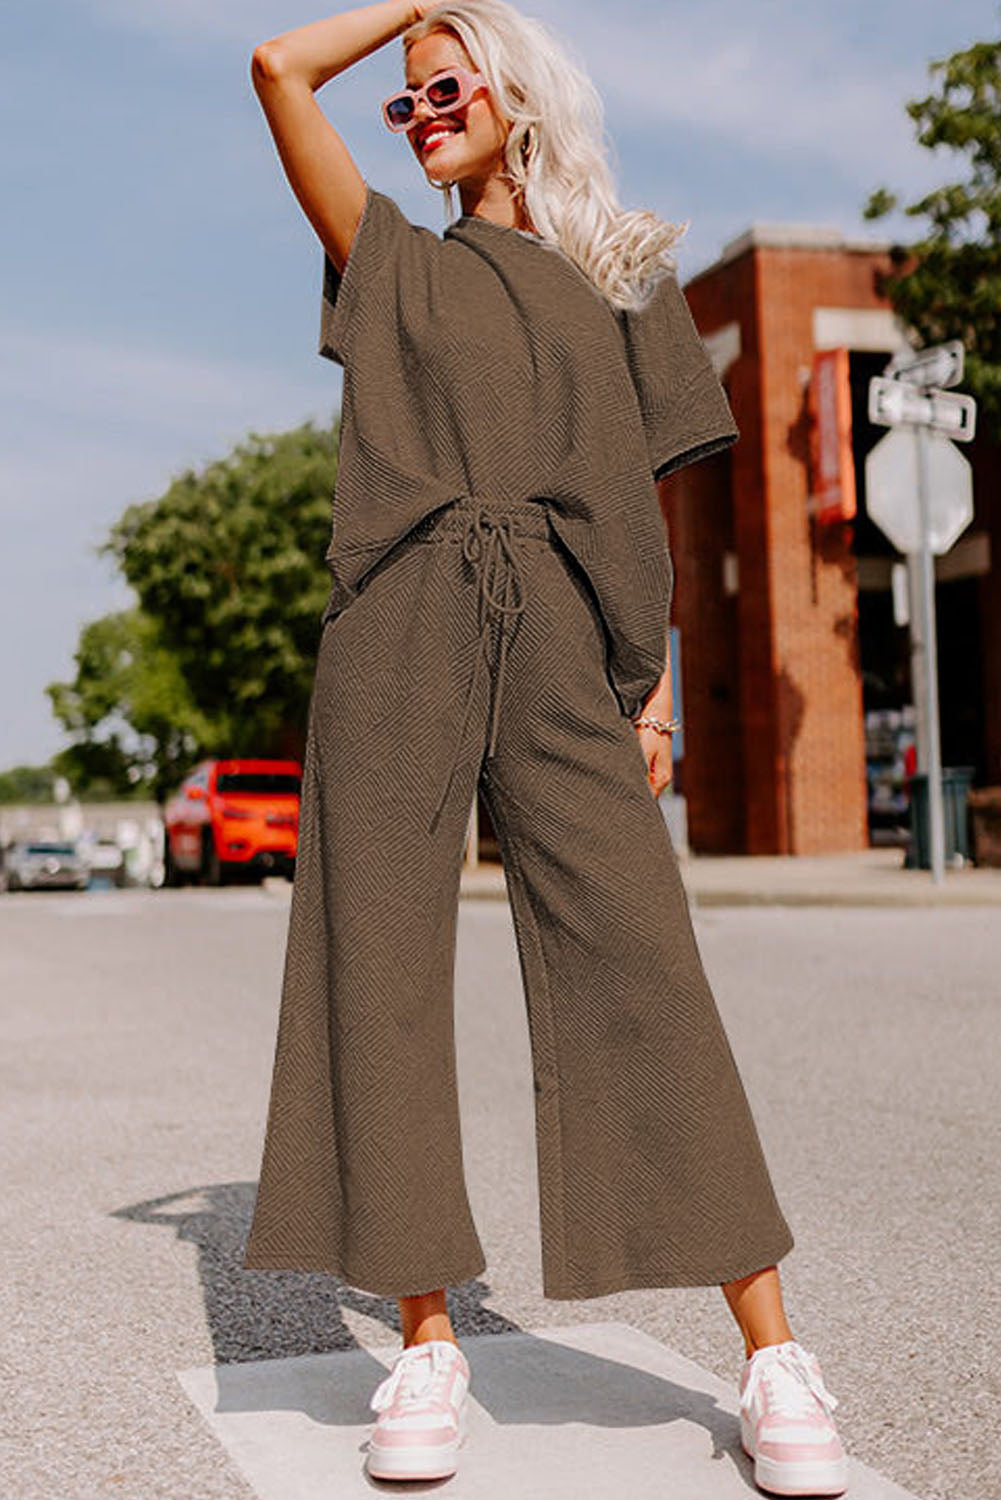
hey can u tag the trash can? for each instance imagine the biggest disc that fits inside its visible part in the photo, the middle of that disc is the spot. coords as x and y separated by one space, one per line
956 781
985 821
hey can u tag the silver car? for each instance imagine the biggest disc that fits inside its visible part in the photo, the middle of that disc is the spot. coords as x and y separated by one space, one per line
41 864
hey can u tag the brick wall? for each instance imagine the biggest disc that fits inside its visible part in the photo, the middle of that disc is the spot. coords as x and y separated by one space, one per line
774 743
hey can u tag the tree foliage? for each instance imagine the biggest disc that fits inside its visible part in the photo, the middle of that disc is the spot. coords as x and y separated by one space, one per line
26 784
133 724
229 564
947 284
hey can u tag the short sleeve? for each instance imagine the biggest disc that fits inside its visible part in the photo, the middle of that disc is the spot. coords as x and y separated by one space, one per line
387 271
686 414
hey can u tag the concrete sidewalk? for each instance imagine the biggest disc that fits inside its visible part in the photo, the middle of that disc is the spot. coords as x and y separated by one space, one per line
597 1408
868 877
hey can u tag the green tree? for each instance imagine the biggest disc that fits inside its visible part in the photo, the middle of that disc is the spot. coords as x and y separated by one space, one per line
134 726
947 284
26 784
229 563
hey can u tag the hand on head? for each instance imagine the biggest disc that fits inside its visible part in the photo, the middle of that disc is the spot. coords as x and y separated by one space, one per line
421 7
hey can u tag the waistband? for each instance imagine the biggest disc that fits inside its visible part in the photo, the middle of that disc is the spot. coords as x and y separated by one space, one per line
523 517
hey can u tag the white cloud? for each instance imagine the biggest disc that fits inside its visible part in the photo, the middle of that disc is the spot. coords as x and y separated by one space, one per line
770 77
798 81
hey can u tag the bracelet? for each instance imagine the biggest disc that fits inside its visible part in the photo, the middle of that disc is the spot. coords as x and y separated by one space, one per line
663 726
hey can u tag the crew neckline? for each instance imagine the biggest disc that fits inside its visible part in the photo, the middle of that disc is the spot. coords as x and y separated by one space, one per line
528 234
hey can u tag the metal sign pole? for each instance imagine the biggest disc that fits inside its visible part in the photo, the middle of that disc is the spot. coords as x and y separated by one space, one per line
919 456
915 594
936 818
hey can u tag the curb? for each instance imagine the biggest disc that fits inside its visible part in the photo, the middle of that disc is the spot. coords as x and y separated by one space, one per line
928 897
486 883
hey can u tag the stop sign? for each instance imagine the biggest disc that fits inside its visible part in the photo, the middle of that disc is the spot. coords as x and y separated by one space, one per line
892 495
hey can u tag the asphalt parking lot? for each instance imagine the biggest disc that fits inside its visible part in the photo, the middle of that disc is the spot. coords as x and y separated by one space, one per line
138 1029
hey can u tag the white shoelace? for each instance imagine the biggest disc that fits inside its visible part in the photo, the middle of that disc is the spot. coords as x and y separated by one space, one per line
792 1379
414 1370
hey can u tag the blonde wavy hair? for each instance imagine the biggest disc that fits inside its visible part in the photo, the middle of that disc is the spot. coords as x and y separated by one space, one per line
556 154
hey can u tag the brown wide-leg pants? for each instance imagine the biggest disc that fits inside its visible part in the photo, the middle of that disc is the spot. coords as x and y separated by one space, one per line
475 655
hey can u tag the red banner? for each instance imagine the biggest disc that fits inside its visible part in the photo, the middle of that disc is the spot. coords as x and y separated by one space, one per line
831 461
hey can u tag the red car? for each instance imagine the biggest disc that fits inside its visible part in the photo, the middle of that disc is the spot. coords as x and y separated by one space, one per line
232 817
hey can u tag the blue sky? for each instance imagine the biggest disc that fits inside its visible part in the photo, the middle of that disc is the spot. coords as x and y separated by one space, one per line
160 295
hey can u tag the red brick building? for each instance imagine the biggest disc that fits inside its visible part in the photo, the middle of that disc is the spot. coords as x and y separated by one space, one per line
785 625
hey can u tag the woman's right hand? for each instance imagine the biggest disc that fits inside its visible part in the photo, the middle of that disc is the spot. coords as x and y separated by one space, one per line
421 7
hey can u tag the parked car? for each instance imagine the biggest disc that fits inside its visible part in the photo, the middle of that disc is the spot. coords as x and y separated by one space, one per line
233 817
45 864
106 858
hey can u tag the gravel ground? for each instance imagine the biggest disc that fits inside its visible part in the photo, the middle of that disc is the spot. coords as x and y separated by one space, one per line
138 1030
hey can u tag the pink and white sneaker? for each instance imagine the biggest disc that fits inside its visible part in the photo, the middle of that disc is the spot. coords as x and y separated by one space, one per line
786 1424
422 1413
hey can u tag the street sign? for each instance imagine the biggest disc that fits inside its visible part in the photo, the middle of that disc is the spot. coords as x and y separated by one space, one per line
938 366
892 484
892 403
919 489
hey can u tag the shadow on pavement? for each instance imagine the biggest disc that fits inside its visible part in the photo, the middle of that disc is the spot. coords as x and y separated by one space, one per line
269 1315
255 1315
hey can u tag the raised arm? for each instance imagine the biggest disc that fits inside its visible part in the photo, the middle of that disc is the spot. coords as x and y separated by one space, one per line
286 73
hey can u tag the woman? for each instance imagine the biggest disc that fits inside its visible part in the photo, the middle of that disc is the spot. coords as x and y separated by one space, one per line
498 621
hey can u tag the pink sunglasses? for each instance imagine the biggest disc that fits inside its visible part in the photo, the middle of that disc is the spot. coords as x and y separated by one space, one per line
450 89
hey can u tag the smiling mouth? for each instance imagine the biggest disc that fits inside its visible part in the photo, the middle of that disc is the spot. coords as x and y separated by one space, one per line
436 135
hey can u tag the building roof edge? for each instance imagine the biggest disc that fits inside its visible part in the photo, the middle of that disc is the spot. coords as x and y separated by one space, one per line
779 236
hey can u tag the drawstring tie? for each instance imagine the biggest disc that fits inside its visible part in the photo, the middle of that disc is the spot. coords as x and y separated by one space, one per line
488 544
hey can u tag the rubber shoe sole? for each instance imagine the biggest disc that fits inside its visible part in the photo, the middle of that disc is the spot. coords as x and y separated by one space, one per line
419 1462
823 1477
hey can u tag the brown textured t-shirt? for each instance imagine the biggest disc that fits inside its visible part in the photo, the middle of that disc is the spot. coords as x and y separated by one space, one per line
485 363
